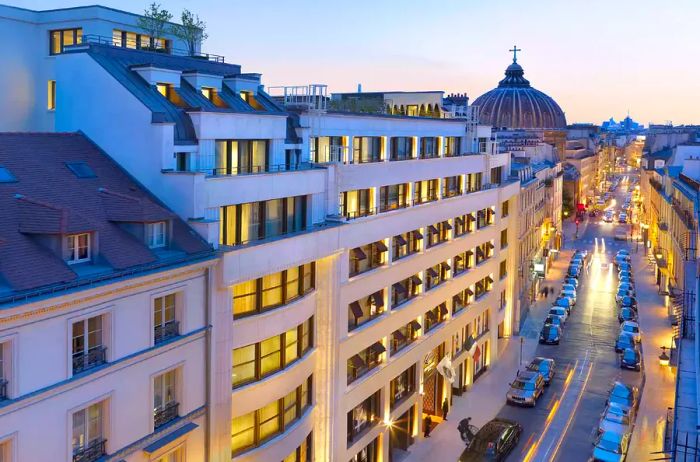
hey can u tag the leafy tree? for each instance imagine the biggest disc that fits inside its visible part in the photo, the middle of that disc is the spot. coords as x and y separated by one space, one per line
191 30
154 21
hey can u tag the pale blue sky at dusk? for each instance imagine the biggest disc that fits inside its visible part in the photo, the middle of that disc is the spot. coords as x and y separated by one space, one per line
596 58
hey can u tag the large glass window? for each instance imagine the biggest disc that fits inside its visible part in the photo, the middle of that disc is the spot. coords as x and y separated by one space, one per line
425 191
406 244
401 148
63 38
452 186
369 453
404 336
357 203
452 146
473 182
327 149
428 147
273 290
363 416
256 361
405 290
126 39
367 257
367 149
393 197
435 317
438 233
436 275
402 386
165 326
88 432
243 223
303 452
365 309
165 404
241 157
255 428
366 360
88 350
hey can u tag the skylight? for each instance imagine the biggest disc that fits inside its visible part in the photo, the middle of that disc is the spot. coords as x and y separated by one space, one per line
81 169
6 176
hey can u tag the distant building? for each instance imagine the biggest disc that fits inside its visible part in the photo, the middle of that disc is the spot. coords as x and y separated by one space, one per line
625 125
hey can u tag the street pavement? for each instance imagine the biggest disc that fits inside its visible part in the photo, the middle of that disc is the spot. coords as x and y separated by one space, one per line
562 426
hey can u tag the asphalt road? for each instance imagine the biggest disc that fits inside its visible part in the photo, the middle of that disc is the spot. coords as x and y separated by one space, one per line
562 426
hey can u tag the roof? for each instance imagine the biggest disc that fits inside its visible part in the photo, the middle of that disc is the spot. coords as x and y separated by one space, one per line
49 200
664 154
121 62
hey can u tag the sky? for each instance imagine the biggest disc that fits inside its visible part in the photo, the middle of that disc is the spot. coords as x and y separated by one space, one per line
596 58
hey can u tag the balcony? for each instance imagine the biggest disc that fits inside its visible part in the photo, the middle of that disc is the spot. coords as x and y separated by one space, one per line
204 164
165 414
90 453
87 360
166 331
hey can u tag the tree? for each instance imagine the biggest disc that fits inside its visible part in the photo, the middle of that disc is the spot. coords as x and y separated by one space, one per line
154 22
192 30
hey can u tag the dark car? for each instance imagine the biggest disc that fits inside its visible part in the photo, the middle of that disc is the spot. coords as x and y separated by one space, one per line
629 302
627 314
545 366
493 442
550 334
553 320
573 271
624 340
631 359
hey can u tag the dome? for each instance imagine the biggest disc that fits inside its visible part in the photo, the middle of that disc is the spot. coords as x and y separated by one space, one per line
515 104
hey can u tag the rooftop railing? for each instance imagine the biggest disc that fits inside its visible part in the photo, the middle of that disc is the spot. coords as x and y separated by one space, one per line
135 45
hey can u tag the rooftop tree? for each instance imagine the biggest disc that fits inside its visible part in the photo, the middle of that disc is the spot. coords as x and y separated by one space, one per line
154 22
191 30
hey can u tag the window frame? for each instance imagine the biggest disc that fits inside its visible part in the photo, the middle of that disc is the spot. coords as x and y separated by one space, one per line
77 39
73 239
157 234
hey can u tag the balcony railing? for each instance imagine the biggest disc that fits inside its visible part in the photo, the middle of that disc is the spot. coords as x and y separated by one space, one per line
312 97
87 360
165 414
119 43
166 331
90 453
254 169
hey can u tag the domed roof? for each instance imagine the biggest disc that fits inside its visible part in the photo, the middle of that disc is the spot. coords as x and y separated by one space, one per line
515 104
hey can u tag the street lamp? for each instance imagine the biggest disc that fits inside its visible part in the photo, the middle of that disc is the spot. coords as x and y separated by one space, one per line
664 360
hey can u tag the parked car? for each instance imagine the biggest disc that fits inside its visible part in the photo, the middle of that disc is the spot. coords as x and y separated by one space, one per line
632 328
568 287
563 313
550 334
620 259
631 359
622 218
625 274
623 252
626 314
624 266
616 418
628 301
623 293
564 302
571 281
611 447
624 340
493 442
553 320
626 279
567 293
574 271
545 366
526 389
625 285
624 395
581 252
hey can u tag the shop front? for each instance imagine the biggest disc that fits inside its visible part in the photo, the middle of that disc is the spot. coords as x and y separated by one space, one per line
433 382
401 434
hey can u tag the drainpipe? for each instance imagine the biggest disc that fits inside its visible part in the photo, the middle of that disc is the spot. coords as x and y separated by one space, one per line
208 360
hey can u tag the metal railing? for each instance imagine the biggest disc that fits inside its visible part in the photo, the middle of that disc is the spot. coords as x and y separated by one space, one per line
133 45
90 453
166 331
87 360
255 169
313 97
165 414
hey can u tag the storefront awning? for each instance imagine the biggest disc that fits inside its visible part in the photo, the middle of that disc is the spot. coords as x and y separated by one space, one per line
380 246
358 254
356 309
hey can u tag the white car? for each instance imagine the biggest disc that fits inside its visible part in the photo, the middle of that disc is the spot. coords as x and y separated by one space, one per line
615 418
569 293
559 311
631 328
570 287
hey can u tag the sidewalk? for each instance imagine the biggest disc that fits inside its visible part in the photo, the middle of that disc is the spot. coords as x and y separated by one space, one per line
487 395
659 389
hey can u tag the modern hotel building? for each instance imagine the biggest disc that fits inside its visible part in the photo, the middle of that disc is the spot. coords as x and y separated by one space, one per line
365 259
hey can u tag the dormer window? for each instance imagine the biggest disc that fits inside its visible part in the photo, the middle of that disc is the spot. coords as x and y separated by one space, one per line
249 98
156 234
171 94
212 95
77 248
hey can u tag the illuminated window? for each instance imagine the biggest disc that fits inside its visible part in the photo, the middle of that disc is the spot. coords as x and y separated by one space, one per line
249 98
51 95
176 455
58 39
88 427
77 248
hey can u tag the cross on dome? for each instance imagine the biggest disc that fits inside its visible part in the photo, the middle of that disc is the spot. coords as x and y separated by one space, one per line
515 51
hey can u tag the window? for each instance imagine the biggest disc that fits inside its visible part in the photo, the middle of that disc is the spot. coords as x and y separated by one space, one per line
170 93
401 148
254 362
88 440
461 225
165 404
425 191
473 182
242 157
6 175
505 208
88 350
405 290
165 324
77 248
365 309
406 244
462 299
504 238
438 233
125 39
402 386
367 257
436 275
81 169
452 186
273 290
51 95
502 270
357 203
367 149
435 317
176 455
255 428
367 454
404 336
303 452
244 223
327 149
212 94
156 234
363 416
393 197
63 38
496 175
5 373
452 146
428 148
360 364
251 100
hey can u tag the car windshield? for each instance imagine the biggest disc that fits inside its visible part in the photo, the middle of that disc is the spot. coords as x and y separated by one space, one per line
520 385
630 355
617 416
607 445
633 329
